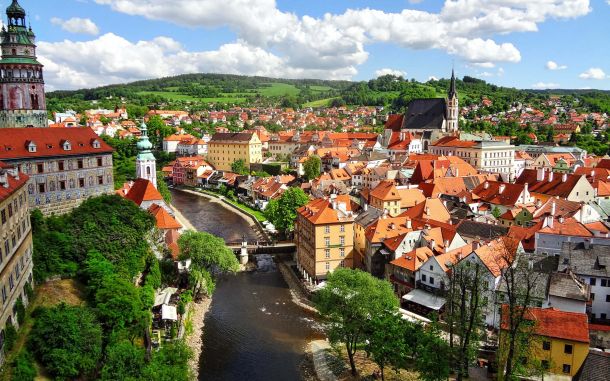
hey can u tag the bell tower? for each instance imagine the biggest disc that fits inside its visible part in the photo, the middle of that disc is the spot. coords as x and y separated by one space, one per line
146 164
452 106
22 97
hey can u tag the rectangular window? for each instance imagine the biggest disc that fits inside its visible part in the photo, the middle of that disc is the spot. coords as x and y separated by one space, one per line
567 368
62 185
326 229
567 349
60 165
327 241
80 164
342 264
423 277
431 268
342 229
3 213
100 180
604 282
592 296
11 282
545 364
99 162
327 266
4 297
327 253
10 210
81 183
7 248
40 167
592 281
546 345
607 298
342 240
41 188
342 252
431 280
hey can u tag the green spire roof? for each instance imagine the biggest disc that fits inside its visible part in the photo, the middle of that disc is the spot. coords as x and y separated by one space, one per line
15 10
144 145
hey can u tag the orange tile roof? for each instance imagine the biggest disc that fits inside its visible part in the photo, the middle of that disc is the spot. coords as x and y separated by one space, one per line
385 191
430 209
321 211
568 227
13 183
499 193
142 190
413 260
164 220
549 322
410 197
49 142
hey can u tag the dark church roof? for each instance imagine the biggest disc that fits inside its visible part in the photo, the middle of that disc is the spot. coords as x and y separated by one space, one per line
428 114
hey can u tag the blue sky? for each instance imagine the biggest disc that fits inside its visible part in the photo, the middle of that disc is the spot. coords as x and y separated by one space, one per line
516 43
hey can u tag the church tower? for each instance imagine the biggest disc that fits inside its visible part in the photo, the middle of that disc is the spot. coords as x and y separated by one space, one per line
22 98
452 106
146 164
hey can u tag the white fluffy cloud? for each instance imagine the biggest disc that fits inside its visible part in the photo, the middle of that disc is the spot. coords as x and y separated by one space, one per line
387 71
593 73
545 85
331 46
552 65
77 25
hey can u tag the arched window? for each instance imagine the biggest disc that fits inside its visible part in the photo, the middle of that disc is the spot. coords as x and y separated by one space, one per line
148 171
14 52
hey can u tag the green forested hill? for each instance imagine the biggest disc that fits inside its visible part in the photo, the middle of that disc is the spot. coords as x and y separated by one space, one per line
201 91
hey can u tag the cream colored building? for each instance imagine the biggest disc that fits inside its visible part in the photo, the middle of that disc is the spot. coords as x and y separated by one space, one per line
15 246
324 235
226 148
485 156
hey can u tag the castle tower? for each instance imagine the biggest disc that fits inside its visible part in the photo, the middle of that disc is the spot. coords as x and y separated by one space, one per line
452 106
22 98
146 164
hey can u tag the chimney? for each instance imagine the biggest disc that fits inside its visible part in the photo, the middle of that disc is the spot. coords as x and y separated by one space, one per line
593 173
550 176
564 177
540 174
4 178
475 245
427 210
432 244
446 244
15 172
525 188
553 208
502 187
408 223
549 221
486 186
561 219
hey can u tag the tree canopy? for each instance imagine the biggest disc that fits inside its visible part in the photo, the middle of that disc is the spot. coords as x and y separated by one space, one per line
282 212
312 167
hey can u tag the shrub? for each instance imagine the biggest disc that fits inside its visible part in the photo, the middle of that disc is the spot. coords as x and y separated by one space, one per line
23 367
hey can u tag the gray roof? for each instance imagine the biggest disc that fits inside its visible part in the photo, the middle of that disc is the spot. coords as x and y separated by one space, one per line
366 219
428 114
481 230
567 285
592 261
595 368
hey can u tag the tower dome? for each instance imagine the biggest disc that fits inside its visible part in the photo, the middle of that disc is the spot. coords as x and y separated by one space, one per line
15 10
144 144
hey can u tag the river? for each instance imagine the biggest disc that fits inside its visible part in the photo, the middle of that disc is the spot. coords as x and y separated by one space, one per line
252 331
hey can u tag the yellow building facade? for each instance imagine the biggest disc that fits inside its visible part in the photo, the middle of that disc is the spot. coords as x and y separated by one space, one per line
324 235
226 148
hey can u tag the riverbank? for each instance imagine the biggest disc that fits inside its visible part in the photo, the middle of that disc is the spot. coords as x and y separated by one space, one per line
298 295
194 339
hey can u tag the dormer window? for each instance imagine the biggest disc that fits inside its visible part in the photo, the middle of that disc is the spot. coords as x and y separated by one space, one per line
96 144
32 147
66 145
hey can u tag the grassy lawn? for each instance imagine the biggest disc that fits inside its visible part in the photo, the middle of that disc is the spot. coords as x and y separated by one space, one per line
228 99
49 294
171 95
279 89
319 103
319 88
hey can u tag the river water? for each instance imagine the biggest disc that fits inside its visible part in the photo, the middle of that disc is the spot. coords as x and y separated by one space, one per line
253 331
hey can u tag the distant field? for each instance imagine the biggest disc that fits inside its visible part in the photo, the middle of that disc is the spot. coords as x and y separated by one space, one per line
319 103
278 90
320 88
170 95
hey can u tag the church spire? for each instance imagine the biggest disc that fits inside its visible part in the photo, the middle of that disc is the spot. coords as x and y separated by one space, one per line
452 90
146 164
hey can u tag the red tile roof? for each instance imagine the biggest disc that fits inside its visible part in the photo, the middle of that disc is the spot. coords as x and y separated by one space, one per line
549 322
13 183
14 142
165 220
141 190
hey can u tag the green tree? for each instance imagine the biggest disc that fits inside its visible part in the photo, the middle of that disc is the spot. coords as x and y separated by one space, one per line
67 340
496 212
433 355
158 130
386 340
119 306
207 252
312 167
170 363
282 212
163 188
23 368
350 300
124 361
240 167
